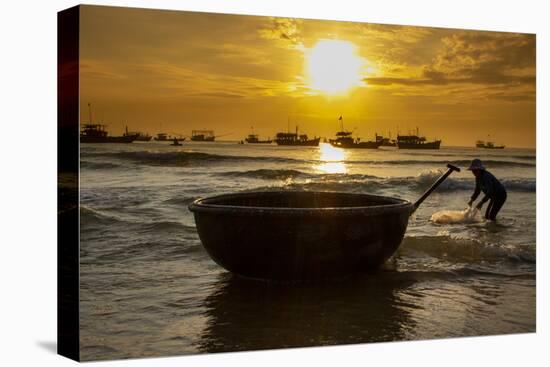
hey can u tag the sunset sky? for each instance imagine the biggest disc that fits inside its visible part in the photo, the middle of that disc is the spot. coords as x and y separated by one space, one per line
180 71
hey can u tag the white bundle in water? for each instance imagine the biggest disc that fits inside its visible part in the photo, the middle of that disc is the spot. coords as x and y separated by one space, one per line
468 215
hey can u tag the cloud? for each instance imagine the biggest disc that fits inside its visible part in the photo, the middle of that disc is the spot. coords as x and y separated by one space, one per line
432 78
164 81
394 33
100 70
217 95
483 59
284 30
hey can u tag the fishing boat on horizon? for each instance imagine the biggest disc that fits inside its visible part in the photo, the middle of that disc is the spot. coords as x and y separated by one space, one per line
205 135
385 142
139 136
344 139
255 139
202 135
97 133
162 137
488 145
416 142
296 139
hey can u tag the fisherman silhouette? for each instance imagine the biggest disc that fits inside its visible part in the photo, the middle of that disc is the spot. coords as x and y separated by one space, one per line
491 187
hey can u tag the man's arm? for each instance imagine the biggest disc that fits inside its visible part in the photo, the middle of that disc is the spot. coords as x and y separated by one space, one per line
476 191
483 201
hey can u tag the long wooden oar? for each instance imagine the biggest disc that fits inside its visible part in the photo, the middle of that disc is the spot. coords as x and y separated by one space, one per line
435 185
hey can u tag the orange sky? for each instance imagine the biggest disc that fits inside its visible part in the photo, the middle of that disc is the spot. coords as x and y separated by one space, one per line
180 71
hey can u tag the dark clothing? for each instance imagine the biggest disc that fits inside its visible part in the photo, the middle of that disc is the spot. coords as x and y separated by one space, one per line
494 207
493 190
491 187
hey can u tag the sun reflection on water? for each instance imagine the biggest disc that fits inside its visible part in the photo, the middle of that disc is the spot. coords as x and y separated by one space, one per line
331 159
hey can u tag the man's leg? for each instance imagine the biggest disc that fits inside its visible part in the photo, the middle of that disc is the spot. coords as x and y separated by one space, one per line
488 210
495 208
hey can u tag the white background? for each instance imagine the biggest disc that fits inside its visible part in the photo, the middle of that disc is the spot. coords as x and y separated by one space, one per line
28 182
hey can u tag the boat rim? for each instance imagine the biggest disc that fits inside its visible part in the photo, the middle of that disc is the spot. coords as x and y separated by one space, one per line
395 205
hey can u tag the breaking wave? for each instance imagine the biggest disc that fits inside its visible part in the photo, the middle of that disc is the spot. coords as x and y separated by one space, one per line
295 179
469 215
426 178
475 154
268 174
467 250
284 174
411 183
181 158
439 162
92 217
196 158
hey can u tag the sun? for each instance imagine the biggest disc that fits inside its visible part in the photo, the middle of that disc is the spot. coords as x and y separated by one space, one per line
333 66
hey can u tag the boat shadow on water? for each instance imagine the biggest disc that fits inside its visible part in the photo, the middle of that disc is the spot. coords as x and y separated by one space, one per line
246 314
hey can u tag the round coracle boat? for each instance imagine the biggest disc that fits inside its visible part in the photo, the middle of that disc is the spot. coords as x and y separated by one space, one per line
289 235
303 235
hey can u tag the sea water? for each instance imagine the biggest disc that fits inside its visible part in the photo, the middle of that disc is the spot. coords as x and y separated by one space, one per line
468 215
148 287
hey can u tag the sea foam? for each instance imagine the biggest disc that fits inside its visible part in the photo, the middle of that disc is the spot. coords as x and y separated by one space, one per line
468 215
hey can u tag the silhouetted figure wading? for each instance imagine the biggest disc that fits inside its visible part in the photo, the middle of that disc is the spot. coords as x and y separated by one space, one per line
491 187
